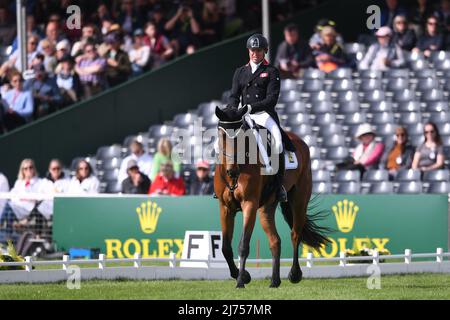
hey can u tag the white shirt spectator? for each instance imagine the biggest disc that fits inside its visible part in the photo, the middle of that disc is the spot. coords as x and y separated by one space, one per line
140 56
144 162
52 187
89 185
377 54
4 187
22 208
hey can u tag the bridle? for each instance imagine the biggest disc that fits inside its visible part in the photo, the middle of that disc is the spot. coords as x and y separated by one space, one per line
237 126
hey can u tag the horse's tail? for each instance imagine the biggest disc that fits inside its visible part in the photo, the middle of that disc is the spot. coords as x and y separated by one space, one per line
313 234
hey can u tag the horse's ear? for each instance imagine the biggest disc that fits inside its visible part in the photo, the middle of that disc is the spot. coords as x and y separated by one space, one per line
242 111
220 114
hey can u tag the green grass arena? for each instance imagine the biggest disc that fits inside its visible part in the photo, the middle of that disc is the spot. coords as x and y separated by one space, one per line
393 287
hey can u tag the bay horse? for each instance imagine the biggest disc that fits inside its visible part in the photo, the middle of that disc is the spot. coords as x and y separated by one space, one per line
242 187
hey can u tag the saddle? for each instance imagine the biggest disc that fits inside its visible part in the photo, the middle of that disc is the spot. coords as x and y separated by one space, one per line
291 161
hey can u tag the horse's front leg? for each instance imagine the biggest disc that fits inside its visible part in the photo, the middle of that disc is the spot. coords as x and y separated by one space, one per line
249 213
227 222
267 219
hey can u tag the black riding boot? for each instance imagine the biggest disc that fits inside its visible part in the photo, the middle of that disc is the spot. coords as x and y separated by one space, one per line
281 193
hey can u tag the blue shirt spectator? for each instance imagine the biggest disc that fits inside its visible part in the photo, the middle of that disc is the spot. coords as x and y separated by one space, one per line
18 104
45 91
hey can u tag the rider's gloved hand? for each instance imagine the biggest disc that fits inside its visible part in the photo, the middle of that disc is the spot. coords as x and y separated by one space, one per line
249 110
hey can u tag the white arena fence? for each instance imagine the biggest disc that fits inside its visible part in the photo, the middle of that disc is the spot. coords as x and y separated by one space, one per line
344 267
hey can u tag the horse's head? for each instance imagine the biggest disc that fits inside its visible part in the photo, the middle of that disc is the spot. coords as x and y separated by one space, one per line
231 123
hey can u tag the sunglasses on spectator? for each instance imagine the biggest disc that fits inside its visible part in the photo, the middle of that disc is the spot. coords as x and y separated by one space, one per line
32 43
202 169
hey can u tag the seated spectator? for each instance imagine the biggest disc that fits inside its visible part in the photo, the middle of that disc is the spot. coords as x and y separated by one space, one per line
48 51
18 103
56 177
90 67
184 29
54 33
4 187
14 61
88 35
443 13
432 39
165 183
143 159
137 182
202 184
316 39
330 55
140 54
160 48
383 54
45 92
419 14
404 37
18 209
84 181
62 49
211 23
68 81
390 10
164 154
55 182
368 152
129 18
430 155
293 54
400 155
118 66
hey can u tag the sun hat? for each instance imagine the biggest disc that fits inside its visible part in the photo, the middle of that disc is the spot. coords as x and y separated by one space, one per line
384 32
363 129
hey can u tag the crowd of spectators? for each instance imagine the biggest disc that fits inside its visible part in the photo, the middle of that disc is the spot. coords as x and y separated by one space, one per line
421 28
117 40
370 154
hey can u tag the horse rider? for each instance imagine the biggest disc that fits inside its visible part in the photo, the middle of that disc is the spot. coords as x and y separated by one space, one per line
257 85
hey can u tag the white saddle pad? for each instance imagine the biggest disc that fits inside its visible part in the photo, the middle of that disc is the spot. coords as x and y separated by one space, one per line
291 161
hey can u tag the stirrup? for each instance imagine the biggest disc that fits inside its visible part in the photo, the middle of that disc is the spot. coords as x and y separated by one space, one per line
215 195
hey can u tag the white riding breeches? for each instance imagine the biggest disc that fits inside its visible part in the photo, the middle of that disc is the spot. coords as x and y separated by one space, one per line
265 120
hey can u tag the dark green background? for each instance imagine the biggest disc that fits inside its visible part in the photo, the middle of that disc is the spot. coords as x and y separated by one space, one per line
417 222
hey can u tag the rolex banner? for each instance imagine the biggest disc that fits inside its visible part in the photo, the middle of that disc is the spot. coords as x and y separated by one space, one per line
154 227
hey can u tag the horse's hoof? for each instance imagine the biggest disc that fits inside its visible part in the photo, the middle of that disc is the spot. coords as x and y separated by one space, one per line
235 274
240 286
295 276
275 283
246 277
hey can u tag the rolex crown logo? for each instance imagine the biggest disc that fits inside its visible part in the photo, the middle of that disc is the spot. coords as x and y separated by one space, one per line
148 213
345 213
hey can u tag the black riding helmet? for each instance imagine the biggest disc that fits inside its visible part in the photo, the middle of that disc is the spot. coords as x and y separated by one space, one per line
258 41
